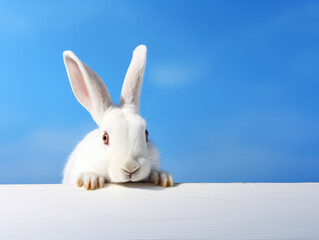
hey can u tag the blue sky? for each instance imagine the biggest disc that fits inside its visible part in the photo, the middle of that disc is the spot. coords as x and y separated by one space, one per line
230 91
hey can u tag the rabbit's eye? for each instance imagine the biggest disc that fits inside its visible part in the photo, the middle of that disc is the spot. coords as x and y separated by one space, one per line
146 135
106 138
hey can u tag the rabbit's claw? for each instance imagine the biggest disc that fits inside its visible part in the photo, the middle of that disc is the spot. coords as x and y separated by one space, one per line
161 178
90 181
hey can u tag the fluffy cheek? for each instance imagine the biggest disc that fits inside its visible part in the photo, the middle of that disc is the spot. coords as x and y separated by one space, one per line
142 173
116 175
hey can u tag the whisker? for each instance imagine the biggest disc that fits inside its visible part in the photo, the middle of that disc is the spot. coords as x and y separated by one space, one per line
155 109
149 107
158 117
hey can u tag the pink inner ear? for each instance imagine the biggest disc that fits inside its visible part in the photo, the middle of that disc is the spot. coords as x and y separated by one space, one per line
78 84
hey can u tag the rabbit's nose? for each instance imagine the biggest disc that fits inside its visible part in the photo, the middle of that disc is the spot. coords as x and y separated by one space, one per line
131 166
130 171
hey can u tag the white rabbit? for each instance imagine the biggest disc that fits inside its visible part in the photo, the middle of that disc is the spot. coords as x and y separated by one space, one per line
119 150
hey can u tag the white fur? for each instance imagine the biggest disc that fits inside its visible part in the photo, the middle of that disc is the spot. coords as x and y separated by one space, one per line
92 162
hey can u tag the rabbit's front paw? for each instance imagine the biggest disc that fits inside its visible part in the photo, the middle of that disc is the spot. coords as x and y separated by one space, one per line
161 178
90 181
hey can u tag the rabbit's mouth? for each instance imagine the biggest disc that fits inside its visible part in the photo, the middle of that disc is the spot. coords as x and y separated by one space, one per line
135 176
131 178
130 174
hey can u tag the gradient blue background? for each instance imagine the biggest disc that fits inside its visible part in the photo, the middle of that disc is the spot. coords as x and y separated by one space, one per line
231 88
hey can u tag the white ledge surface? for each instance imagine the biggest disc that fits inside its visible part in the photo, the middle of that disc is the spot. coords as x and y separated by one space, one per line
140 211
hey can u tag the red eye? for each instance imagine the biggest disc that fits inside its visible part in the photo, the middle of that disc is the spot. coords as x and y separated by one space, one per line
106 138
146 135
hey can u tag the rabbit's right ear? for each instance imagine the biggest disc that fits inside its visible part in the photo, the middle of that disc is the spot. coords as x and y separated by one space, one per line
87 86
132 85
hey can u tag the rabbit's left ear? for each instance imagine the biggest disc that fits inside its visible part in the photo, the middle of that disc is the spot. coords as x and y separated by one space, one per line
87 86
132 85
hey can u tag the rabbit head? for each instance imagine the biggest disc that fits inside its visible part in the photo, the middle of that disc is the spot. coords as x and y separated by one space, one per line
120 149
